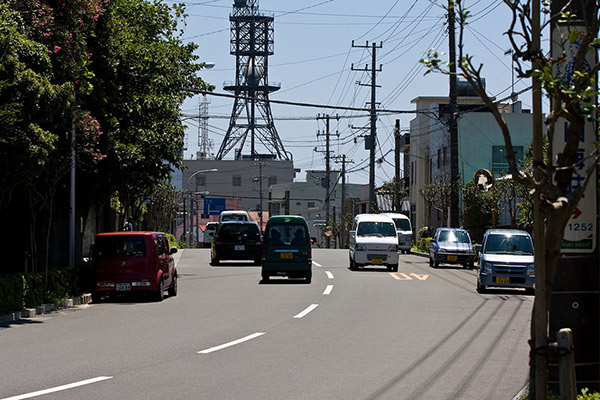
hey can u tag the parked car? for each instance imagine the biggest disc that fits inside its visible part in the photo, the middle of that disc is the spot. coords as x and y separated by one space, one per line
209 233
373 240
451 246
236 240
506 260
133 262
404 230
287 248
234 215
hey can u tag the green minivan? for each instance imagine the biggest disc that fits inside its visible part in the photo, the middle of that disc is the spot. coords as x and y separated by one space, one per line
286 248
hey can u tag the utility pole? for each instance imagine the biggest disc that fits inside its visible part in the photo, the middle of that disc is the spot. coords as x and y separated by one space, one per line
397 166
373 136
327 183
452 123
342 240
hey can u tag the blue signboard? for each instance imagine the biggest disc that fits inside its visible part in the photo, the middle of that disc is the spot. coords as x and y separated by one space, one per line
213 206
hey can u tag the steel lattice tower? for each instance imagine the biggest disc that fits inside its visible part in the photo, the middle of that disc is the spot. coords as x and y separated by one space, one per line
252 44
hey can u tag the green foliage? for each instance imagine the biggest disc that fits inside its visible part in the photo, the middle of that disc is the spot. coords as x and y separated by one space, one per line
31 290
12 288
478 206
585 395
173 242
423 244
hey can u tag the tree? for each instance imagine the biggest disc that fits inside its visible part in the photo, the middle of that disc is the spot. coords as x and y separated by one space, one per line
573 94
437 195
478 206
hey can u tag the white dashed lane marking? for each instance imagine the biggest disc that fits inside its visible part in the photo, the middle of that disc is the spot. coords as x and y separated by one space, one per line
328 289
58 388
308 309
224 346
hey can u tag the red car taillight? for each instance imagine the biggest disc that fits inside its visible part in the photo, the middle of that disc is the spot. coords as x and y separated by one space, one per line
310 252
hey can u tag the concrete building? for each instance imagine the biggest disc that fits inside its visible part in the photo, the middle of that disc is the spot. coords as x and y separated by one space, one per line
308 200
480 145
211 186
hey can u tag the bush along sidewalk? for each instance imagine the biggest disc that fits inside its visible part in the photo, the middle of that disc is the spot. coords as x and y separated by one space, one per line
30 290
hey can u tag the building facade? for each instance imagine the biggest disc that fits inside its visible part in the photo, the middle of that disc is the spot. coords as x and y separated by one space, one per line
480 146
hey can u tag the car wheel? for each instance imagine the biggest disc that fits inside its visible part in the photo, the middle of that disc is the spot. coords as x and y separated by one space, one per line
160 293
308 277
394 267
436 264
407 251
352 265
480 288
431 262
530 291
173 289
214 261
96 297
265 277
258 261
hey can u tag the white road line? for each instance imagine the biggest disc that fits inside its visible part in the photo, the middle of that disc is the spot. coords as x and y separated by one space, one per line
309 309
317 264
329 274
328 289
58 388
223 346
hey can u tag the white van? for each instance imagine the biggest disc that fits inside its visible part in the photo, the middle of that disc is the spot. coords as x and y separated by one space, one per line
404 229
374 241
234 215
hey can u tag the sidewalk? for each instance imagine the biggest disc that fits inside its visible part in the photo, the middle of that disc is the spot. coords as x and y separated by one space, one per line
85 298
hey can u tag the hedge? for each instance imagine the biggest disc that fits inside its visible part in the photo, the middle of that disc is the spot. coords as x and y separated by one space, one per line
20 290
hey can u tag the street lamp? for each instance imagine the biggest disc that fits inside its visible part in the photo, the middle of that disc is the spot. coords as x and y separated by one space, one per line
187 237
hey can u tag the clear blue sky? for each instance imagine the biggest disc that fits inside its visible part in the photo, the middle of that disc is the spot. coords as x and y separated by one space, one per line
313 58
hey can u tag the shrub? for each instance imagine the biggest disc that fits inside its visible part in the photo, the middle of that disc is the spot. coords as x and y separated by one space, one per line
12 287
423 244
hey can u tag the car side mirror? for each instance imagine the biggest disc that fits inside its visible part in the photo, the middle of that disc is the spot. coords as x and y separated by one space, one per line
173 250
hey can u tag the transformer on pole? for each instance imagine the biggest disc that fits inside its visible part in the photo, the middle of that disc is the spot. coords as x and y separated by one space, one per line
252 43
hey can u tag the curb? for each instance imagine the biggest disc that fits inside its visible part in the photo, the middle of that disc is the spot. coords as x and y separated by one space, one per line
45 309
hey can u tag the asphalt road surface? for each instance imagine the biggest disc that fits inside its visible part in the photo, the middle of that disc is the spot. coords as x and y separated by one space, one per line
419 333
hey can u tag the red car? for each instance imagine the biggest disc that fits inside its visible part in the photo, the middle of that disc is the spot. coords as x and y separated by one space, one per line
133 262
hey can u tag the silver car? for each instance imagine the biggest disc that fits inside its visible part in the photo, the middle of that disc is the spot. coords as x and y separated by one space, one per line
506 260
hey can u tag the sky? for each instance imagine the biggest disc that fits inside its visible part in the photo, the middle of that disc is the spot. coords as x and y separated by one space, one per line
313 62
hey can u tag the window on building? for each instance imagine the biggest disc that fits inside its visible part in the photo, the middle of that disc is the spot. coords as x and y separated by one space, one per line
439 158
236 180
272 180
499 162
298 204
445 156
311 204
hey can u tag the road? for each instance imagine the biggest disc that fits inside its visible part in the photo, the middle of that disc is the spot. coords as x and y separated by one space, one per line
420 333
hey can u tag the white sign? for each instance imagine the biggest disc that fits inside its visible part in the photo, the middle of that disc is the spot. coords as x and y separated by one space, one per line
580 232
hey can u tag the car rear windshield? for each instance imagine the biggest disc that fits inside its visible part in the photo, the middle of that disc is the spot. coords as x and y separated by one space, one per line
291 234
454 237
234 217
402 224
369 228
236 232
509 244
119 246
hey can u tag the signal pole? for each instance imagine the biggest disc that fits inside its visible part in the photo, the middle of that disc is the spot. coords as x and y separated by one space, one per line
327 183
373 136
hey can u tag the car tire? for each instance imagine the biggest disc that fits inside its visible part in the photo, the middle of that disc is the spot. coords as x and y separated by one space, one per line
173 289
265 277
352 265
394 267
431 262
214 261
160 293
96 297
480 288
258 261
308 278
530 291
